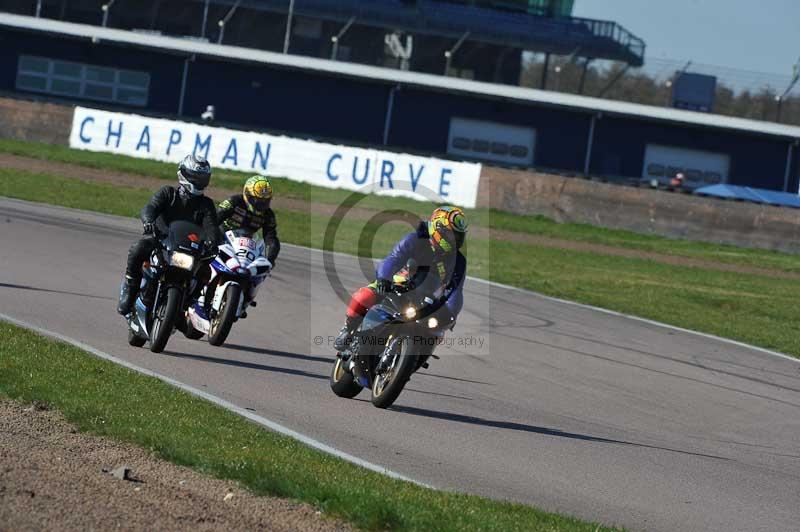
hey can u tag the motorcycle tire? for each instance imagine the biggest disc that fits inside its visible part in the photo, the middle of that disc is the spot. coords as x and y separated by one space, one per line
342 382
221 325
383 396
135 340
190 332
163 323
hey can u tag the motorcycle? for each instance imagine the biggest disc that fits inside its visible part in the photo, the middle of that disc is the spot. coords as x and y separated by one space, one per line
237 273
168 280
395 339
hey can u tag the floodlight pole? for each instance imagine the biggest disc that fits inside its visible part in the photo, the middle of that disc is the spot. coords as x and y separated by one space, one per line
387 123
545 68
184 80
587 163
583 74
789 157
613 81
205 19
336 38
225 20
795 78
105 8
288 27
448 55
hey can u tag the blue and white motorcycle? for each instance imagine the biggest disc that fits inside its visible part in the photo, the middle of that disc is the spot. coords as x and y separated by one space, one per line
238 271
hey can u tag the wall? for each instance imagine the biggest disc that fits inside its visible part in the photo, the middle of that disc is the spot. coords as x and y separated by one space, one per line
36 121
642 210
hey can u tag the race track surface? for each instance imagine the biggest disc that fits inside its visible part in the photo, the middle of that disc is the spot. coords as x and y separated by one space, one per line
563 407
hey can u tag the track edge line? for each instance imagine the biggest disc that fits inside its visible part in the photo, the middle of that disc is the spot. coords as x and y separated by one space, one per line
227 405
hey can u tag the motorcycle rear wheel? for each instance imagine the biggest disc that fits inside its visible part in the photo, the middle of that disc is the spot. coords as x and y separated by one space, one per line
164 322
342 382
386 388
221 325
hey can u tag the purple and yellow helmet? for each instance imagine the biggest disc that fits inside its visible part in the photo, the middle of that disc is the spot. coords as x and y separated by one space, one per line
447 229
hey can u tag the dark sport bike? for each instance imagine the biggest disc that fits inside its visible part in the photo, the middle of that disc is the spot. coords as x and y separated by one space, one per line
396 338
168 280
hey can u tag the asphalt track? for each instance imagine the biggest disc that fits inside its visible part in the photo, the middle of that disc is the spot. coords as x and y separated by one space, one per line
567 408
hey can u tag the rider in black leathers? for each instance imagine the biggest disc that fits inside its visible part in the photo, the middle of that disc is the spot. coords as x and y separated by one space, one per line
185 202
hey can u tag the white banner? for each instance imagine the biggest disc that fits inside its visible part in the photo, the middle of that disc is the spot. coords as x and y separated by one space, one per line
326 165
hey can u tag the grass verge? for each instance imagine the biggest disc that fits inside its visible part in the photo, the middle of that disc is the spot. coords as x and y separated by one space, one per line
492 219
755 309
108 400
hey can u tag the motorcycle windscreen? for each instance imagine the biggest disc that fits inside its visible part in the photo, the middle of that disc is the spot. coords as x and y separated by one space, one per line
186 236
377 316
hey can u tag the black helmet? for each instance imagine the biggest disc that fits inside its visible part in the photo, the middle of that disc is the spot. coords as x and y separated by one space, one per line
194 174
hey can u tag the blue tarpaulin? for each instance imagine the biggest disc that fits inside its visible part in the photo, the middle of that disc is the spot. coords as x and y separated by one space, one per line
756 195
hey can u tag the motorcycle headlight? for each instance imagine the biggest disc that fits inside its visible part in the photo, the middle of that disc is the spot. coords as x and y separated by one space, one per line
410 313
433 323
182 260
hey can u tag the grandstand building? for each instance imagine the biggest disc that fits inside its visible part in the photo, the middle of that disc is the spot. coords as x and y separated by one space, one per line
253 85
476 39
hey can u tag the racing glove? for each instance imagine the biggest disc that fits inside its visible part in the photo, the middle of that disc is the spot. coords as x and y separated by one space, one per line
148 228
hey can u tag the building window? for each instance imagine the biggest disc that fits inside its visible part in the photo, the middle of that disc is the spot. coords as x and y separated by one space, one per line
492 141
64 78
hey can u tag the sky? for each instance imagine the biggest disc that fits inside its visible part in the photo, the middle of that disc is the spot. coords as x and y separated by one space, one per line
761 36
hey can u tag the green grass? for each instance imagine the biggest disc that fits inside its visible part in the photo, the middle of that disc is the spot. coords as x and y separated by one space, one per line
493 219
756 309
192 432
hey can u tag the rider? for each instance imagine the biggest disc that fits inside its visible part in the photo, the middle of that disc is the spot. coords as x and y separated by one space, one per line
250 210
435 246
185 202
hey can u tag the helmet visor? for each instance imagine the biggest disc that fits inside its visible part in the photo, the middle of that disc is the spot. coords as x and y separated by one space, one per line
198 180
259 204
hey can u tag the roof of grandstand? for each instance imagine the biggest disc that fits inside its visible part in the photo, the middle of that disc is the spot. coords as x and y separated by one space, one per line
532 96
514 28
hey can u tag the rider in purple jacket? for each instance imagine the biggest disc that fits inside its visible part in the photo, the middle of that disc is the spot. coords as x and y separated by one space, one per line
435 246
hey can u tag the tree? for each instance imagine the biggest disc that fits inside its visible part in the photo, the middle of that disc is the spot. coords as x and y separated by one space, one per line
640 87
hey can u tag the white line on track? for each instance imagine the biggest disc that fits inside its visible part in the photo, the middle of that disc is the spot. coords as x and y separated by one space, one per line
276 427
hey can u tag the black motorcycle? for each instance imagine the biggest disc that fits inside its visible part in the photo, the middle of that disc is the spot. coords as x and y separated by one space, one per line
396 338
167 284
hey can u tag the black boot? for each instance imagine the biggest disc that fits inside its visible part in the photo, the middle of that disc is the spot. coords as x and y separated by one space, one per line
345 338
127 295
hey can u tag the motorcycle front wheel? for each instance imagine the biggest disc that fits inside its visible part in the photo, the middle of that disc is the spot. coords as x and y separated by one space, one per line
134 339
342 381
164 321
221 324
388 384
